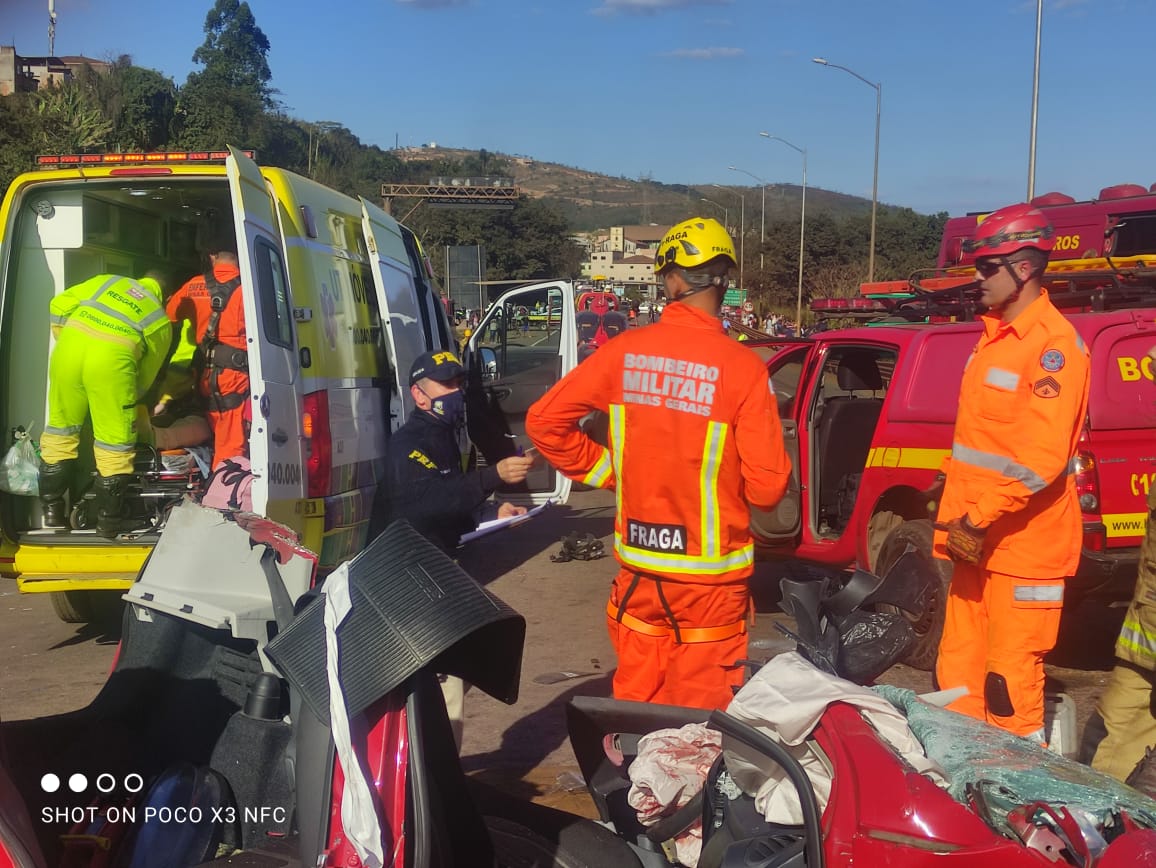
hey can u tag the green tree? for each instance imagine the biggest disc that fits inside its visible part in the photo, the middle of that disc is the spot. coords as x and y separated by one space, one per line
70 120
139 103
19 136
228 101
235 50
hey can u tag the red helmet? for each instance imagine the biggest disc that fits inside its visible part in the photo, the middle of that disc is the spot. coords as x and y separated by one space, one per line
1010 229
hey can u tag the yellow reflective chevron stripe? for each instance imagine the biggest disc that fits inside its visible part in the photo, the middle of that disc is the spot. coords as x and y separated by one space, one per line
908 457
599 475
1139 642
666 562
712 449
617 433
712 559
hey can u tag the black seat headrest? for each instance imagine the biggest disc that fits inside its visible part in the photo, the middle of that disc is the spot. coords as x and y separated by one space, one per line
857 372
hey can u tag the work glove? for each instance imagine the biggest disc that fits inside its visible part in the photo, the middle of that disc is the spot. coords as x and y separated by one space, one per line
933 493
964 541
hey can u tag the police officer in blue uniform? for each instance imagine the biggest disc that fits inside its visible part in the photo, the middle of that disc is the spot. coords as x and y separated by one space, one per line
424 481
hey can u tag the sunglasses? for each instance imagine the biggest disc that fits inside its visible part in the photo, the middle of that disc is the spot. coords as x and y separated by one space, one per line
987 267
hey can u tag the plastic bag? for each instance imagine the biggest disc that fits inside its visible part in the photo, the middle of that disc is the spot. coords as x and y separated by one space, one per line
20 469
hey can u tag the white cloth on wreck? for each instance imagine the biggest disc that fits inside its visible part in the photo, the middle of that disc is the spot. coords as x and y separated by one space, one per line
785 700
671 767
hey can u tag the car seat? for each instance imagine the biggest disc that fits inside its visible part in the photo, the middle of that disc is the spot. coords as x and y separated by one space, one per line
845 430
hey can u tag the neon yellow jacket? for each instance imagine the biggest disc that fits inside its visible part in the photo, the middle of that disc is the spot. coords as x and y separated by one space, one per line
118 312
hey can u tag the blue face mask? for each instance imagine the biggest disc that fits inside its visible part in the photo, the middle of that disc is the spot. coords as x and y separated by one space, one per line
449 408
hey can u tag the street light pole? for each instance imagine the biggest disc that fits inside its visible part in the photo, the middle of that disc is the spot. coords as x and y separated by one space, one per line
762 212
802 226
742 229
875 182
1035 104
723 208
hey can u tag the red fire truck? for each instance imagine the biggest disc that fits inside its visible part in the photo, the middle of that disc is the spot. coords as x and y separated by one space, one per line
1119 222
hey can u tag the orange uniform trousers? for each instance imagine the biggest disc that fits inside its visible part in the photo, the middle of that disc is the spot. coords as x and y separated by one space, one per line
653 666
229 435
993 625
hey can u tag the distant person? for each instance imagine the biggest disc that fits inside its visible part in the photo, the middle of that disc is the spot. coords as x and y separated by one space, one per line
112 337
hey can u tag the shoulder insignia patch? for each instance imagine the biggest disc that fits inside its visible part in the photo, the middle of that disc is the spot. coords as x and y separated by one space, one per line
1046 388
1052 360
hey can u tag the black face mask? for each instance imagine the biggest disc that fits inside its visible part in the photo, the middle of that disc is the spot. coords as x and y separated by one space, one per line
449 408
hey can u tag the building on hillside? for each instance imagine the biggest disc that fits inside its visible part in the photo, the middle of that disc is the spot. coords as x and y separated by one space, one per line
625 258
19 74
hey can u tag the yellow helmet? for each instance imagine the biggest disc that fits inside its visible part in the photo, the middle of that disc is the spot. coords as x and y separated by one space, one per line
693 243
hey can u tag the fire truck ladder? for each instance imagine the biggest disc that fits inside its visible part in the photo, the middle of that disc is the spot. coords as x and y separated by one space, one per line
1073 286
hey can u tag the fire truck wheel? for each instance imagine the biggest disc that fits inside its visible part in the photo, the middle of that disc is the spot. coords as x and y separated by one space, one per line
928 624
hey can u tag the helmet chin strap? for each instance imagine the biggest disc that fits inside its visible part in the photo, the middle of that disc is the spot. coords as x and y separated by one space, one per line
1020 284
715 283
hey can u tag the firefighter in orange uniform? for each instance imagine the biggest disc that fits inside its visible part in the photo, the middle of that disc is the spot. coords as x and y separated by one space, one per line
1009 504
680 390
215 311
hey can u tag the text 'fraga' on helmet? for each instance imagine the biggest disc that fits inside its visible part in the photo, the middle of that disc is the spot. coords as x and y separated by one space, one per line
1009 229
693 243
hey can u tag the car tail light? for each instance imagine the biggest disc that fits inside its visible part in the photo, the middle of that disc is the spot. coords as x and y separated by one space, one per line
1087 482
1095 539
318 443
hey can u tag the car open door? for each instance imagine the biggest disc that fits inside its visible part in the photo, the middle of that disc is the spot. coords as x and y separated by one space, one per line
526 342
276 443
782 524
397 299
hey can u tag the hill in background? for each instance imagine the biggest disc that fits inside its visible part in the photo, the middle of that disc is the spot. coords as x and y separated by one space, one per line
593 201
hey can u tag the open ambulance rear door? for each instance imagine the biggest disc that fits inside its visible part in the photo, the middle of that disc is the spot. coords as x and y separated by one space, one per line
277 442
397 299
527 341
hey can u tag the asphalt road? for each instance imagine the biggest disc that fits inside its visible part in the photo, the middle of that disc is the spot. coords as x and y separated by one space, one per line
50 667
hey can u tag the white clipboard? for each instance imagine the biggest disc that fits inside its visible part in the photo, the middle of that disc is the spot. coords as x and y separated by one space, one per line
488 527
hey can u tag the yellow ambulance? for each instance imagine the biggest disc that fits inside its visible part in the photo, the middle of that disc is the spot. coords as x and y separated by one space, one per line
339 299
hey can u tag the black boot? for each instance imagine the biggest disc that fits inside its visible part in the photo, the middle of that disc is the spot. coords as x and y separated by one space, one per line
54 481
110 491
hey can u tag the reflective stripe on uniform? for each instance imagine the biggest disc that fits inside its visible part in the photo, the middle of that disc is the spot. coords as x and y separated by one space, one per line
63 432
599 475
617 431
113 314
1003 379
1001 464
115 447
1135 639
712 450
712 559
680 563
686 635
103 335
1039 592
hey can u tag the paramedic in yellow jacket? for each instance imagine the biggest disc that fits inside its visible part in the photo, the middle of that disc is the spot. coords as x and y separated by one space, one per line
112 336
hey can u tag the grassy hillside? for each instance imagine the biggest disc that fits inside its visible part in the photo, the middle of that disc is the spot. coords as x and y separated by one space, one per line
592 201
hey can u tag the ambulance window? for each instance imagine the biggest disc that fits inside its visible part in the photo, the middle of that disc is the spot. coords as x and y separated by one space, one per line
425 296
276 310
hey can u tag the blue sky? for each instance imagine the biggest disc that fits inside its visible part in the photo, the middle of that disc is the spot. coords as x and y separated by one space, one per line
678 90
